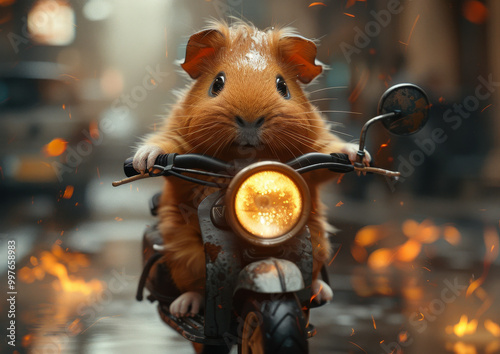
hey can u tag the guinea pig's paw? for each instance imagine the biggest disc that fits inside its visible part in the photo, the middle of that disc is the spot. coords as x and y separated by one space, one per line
145 157
322 289
352 150
188 304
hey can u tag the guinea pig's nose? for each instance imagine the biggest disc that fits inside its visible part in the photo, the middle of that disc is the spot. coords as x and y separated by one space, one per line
245 124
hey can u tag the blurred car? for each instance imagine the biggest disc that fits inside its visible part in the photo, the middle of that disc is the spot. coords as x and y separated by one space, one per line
46 132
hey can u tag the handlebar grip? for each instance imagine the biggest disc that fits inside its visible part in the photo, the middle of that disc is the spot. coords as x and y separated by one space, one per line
129 170
341 158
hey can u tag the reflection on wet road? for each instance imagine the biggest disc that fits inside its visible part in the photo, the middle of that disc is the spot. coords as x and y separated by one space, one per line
77 281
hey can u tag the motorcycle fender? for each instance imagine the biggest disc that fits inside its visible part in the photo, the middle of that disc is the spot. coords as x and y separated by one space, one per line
270 275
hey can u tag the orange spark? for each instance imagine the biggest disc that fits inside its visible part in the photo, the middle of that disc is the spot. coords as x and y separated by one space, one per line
68 192
363 80
315 295
339 204
118 218
488 106
348 14
384 145
374 324
335 255
411 33
357 346
490 240
316 4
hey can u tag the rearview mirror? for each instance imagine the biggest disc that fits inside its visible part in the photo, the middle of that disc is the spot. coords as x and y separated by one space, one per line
411 105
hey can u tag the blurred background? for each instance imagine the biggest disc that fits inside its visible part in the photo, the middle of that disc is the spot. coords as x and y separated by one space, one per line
81 81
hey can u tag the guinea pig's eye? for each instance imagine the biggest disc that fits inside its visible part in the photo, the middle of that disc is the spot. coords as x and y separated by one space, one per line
282 87
217 85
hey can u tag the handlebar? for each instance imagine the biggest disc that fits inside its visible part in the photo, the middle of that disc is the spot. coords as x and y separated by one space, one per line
175 165
340 163
202 162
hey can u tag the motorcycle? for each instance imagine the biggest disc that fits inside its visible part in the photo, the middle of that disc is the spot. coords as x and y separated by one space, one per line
258 270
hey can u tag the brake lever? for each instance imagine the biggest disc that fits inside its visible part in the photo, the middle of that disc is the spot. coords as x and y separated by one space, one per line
156 171
130 179
379 171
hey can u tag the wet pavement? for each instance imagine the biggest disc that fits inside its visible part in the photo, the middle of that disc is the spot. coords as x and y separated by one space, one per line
78 292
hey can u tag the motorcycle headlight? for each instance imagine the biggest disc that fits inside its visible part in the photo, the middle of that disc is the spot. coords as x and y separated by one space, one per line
267 203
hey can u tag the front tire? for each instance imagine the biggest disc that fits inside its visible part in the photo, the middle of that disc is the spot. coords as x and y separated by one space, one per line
274 325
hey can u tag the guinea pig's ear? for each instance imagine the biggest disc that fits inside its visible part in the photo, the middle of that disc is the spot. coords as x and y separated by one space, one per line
200 47
300 53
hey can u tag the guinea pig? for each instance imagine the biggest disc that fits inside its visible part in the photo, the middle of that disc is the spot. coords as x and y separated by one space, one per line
246 99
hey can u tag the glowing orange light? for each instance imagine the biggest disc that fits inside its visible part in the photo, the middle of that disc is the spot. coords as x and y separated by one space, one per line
359 253
464 327
348 14
380 258
27 340
68 192
367 236
34 261
118 218
56 147
463 348
70 284
451 235
492 327
409 251
339 204
374 324
475 11
268 204
428 233
26 275
403 337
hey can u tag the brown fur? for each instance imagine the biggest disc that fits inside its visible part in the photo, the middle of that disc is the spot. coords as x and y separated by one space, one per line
202 124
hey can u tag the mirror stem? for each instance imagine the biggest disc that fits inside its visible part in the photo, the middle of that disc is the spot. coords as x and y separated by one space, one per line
362 137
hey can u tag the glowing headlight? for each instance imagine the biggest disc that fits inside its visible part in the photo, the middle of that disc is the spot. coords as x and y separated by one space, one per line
267 203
